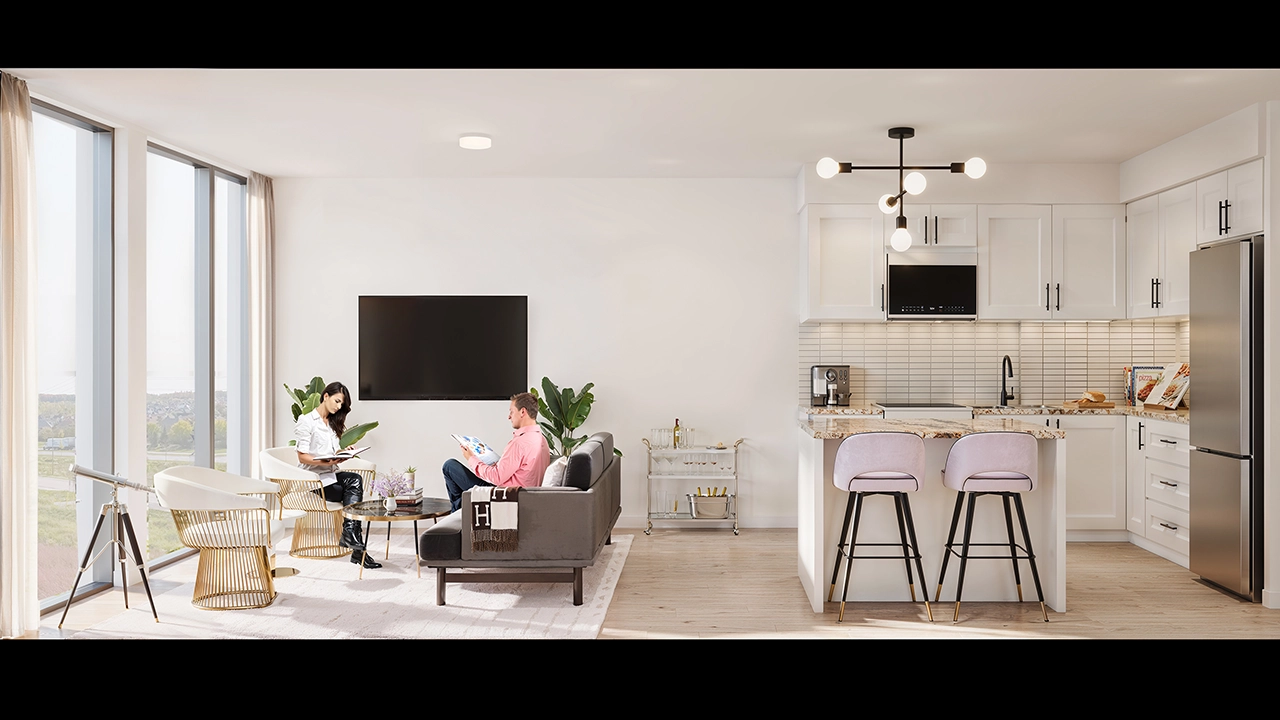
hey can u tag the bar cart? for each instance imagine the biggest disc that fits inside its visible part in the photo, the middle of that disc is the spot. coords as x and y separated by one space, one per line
675 473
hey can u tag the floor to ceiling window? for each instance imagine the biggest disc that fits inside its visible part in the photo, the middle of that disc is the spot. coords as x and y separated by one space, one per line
196 334
73 339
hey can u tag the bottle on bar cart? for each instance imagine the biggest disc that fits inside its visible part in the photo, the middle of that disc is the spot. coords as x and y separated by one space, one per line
676 432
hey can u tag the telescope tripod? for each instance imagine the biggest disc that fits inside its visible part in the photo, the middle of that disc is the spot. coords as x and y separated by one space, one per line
120 526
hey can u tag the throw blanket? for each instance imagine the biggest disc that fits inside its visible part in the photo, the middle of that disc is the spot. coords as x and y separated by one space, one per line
494 512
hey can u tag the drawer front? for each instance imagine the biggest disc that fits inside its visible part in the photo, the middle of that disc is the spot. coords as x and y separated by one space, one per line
1169 484
1169 442
1168 526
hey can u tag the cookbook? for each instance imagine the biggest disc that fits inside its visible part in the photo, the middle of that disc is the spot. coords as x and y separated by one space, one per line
1172 386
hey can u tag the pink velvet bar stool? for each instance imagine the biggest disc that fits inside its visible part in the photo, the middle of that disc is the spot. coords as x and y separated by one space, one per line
991 463
879 463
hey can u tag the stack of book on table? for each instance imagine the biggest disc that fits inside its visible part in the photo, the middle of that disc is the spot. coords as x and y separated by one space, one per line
412 499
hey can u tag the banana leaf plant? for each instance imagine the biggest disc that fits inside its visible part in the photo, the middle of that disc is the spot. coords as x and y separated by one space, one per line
308 399
561 412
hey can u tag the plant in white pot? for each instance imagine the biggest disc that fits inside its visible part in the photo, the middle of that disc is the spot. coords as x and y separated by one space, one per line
409 475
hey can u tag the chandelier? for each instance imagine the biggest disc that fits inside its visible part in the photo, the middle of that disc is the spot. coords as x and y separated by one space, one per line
913 183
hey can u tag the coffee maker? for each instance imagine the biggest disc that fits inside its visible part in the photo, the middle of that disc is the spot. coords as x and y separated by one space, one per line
829 385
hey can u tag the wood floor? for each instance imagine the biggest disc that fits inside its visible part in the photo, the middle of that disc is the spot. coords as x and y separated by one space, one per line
692 583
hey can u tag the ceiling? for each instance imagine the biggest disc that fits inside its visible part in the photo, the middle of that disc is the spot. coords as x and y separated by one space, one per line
648 123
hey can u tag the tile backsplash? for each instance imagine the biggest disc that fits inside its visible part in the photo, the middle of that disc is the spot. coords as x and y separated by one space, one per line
959 362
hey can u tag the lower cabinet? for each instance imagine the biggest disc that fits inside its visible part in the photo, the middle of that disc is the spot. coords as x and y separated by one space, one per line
1095 474
1159 484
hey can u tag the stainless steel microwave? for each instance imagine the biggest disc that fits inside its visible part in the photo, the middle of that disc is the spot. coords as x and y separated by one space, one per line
932 286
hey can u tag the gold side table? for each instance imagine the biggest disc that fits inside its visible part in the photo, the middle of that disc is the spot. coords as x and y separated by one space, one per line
371 511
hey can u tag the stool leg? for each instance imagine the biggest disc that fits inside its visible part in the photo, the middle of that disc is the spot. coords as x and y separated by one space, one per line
853 541
1035 575
915 546
964 554
844 536
946 552
1013 548
906 553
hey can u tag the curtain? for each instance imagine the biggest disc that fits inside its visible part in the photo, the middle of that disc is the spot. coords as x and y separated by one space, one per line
19 605
262 390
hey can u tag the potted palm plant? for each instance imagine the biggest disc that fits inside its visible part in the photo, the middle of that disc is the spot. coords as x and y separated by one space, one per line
562 412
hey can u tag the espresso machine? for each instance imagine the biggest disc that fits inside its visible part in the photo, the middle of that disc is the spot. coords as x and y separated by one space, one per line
830 385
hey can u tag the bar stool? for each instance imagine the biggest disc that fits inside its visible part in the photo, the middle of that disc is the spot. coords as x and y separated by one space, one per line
879 463
991 463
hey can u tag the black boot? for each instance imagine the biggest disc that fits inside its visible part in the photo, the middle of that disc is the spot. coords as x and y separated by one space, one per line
351 537
369 562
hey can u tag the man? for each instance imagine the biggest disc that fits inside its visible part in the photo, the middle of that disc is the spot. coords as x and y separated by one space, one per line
523 463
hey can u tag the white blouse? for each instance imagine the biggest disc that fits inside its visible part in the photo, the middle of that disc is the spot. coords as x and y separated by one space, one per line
315 437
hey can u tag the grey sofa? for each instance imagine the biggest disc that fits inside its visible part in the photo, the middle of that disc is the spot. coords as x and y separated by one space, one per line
561 529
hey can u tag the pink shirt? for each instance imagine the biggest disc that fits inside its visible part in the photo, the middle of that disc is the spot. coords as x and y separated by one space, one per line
523 463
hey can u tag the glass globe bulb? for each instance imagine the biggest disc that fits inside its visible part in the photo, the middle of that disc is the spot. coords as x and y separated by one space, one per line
975 167
827 168
884 205
914 183
900 240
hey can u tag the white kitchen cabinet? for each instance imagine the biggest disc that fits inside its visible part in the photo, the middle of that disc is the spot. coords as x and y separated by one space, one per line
937 226
1229 203
1161 235
1051 262
844 257
1158 480
1096 474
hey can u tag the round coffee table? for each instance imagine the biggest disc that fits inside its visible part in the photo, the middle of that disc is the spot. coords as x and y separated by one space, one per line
371 511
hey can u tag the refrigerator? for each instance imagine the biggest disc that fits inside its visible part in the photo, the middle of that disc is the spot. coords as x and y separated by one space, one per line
1226 416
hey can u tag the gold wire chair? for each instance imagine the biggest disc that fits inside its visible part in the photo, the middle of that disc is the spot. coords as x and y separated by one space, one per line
228 519
317 530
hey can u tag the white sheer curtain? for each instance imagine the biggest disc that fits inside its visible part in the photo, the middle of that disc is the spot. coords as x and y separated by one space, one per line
19 604
262 390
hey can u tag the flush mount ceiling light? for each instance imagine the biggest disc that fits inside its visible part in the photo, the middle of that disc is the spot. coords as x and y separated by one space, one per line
912 184
475 141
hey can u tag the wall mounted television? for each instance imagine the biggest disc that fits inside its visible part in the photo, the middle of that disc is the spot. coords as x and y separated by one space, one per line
443 347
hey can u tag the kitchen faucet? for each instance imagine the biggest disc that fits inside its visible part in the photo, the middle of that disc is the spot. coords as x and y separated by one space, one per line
1006 366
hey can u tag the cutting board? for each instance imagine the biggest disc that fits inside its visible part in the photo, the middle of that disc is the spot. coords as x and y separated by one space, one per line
1086 404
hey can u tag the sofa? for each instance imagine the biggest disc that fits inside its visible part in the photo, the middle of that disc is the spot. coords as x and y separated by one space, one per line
561 530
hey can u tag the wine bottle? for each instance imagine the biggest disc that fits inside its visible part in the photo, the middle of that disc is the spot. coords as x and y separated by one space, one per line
676 432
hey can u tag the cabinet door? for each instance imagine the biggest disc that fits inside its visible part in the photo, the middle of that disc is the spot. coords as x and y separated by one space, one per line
1244 193
917 218
1135 475
1015 262
1089 281
1211 194
846 262
1177 242
953 225
1096 464
1142 243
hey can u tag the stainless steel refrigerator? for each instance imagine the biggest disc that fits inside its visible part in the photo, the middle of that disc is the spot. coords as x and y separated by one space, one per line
1226 416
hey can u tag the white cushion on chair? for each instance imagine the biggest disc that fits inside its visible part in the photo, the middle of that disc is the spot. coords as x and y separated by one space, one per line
992 462
879 462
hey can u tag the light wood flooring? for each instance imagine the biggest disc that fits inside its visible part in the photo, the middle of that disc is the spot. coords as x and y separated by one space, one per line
695 583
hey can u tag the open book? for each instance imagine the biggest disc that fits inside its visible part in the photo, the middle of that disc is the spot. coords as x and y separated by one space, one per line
344 455
477 447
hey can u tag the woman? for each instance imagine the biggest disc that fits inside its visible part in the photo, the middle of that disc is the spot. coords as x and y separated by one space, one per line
317 434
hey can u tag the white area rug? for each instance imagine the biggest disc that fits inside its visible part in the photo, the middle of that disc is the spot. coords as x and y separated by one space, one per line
327 601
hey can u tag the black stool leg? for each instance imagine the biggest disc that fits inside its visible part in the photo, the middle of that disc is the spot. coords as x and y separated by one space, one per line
1035 575
964 554
915 546
1013 547
906 553
844 535
946 552
853 541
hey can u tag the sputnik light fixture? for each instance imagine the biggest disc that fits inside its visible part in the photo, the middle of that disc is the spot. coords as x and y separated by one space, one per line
908 184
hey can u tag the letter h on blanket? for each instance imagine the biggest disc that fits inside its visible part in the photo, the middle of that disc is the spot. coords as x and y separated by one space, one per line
495 512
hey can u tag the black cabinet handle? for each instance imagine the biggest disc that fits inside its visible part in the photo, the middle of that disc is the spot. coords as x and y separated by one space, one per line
1139 436
1226 217
1158 292
1166 482
926 229
1171 442
1171 527
1058 423
1153 293
935 229
1220 217
881 296
1046 297
1058 289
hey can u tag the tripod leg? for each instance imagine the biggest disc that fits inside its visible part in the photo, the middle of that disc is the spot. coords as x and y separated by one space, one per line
142 568
117 537
84 565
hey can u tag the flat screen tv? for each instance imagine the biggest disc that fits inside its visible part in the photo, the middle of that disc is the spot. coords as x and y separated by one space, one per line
443 347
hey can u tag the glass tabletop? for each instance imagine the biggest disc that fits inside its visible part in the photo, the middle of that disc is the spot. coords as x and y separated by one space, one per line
374 510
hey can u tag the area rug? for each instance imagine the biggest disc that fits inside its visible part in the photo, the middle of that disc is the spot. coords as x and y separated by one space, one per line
326 600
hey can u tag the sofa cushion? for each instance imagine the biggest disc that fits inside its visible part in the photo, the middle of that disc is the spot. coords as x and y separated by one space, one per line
586 463
554 476
443 540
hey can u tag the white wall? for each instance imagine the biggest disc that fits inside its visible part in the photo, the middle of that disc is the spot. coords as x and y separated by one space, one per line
675 297
1224 142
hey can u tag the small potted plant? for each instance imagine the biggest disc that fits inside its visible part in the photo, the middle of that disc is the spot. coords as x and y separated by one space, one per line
408 474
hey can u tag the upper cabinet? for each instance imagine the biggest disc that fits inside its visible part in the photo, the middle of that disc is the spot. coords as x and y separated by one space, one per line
937 226
1051 262
1230 203
845 261
1161 236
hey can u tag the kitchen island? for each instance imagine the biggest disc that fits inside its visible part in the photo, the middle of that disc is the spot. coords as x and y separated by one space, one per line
821 514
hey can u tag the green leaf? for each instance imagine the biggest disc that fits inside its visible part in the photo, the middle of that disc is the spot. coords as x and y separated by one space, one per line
617 452
566 399
353 435
297 411
313 402
553 399
316 386
292 443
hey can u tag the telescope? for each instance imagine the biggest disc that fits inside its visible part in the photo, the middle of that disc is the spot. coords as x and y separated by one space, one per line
121 527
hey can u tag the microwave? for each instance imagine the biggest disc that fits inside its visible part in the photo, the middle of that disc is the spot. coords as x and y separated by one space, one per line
938 286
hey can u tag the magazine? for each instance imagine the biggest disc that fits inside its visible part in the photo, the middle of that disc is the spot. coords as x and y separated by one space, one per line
478 448
344 455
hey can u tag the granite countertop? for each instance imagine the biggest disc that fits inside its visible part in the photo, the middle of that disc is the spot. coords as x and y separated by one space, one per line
838 410
838 428
1182 415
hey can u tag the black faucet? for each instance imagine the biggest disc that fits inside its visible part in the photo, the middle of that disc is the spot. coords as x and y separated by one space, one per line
1006 366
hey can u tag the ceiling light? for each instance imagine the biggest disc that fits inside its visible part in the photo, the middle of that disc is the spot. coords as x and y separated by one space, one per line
475 142
912 184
